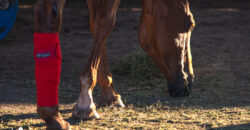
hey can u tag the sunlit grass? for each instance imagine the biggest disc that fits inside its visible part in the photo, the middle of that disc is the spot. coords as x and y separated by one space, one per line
156 116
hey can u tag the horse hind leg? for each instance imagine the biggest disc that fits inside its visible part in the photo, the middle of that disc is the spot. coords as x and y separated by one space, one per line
102 20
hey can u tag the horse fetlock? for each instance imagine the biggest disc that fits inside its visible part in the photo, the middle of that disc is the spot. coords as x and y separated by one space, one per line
85 107
53 118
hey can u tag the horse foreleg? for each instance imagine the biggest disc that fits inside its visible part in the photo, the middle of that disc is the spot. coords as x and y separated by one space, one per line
104 78
102 20
47 54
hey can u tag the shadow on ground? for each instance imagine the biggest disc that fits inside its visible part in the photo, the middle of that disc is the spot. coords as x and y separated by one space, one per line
233 127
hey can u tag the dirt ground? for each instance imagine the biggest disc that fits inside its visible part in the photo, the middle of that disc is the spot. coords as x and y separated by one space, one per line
221 59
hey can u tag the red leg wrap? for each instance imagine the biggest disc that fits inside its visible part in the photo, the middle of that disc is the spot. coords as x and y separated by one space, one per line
47 54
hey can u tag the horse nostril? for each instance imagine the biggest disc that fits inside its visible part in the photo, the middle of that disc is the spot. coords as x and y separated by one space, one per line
179 90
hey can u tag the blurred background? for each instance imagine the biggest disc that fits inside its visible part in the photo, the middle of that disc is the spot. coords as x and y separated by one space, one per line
194 3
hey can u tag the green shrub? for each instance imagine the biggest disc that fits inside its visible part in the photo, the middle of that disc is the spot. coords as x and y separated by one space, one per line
137 65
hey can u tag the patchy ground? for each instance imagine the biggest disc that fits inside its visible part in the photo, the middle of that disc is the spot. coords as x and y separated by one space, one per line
221 58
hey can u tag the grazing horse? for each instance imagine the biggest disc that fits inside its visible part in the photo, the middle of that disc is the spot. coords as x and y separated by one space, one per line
164 33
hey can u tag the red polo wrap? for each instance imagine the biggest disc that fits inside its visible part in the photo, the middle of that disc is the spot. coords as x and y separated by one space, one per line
47 55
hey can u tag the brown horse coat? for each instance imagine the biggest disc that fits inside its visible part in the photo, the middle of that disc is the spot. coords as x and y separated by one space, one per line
164 33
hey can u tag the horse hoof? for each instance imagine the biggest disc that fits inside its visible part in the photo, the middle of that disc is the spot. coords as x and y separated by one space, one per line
115 101
119 103
86 114
53 118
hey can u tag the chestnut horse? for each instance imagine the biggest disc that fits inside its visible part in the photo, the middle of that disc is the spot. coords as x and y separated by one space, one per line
164 33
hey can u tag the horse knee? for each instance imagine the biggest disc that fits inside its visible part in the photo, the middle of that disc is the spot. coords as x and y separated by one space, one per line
48 16
39 11
102 18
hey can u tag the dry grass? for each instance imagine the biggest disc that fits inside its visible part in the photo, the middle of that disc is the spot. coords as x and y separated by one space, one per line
148 106
156 116
138 66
